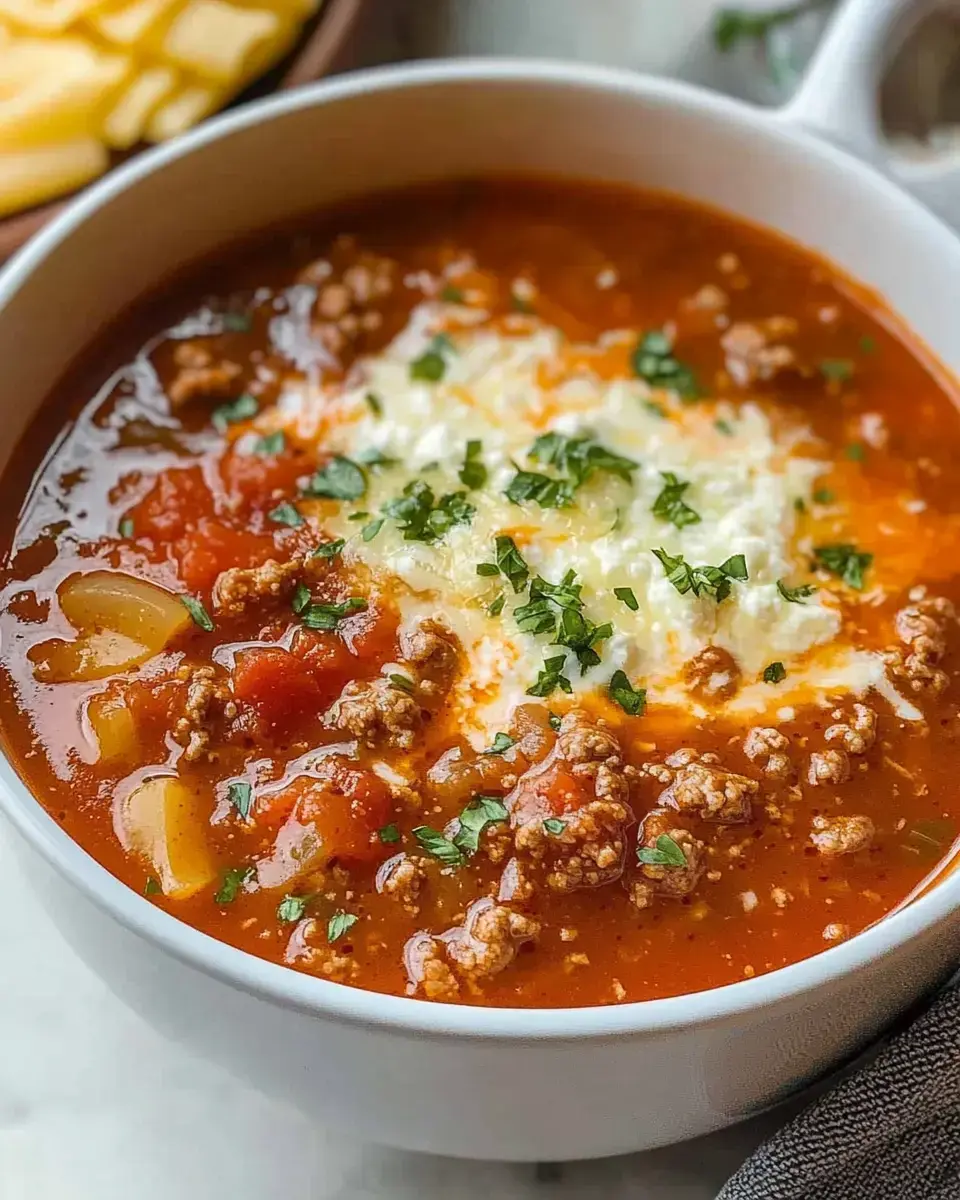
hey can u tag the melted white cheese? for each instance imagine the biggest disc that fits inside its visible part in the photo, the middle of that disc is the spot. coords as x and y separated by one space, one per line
505 391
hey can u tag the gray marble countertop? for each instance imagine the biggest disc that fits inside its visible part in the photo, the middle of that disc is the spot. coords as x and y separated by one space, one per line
94 1105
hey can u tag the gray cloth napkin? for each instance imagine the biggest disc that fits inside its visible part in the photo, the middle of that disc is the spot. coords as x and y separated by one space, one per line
891 1131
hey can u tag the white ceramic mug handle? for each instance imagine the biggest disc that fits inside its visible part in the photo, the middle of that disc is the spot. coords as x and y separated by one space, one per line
838 97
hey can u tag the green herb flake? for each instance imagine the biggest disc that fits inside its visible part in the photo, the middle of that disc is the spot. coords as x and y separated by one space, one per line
374 403
521 304
867 344
550 678
339 923
329 549
232 884
403 682
799 504
478 814
670 505
734 25
837 370
627 597
724 427
664 853
845 561
774 673
236 322
242 409
126 527
501 743
240 795
300 598
824 496
374 457
705 580
576 460
286 514
655 409
421 517
554 826
389 834
370 531
653 361
495 608
199 614
473 474
632 700
796 595
432 842
451 295
152 886
340 479
855 452
291 908
431 366
326 617
270 444
358 516
554 721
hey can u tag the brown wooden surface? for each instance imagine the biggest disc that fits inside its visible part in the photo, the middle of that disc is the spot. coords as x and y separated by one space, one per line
319 54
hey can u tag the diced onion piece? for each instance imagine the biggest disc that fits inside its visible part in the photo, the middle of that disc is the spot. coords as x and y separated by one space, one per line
163 821
114 728
123 604
92 656
127 120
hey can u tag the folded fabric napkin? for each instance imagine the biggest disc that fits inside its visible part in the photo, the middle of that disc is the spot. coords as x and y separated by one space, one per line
891 1131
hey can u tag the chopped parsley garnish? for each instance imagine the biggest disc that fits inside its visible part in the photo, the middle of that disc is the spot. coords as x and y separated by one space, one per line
576 459
550 678
844 561
724 427
867 344
242 409
733 25
702 581
856 452
496 606
837 370
152 886
479 813
670 505
232 884
270 443
371 529
402 682
796 595
292 908
329 549
389 834
126 527
509 563
421 517
339 923
823 496
286 514
653 361
340 479
473 474
374 403
554 721
501 743
236 322
664 853
655 409
627 597
431 366
451 295
799 504
521 304
632 700
437 846
373 457
554 826
196 610
323 617
557 609
775 673
358 516
240 795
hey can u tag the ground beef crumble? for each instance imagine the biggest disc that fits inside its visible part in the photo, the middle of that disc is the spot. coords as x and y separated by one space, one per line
200 376
697 784
838 835
922 628
377 711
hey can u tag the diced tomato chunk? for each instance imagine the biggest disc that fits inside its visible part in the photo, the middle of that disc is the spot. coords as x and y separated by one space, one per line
347 809
257 478
177 501
277 684
212 547
372 635
327 657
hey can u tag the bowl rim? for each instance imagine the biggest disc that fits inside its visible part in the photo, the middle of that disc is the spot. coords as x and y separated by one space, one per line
314 997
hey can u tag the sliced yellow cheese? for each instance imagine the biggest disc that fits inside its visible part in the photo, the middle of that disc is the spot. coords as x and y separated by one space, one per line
45 16
219 41
186 108
130 24
35 174
165 823
126 122
52 90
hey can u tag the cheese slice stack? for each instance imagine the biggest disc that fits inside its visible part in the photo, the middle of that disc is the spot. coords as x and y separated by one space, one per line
80 78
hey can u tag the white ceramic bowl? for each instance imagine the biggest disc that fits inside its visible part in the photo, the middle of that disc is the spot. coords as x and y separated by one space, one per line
487 1083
